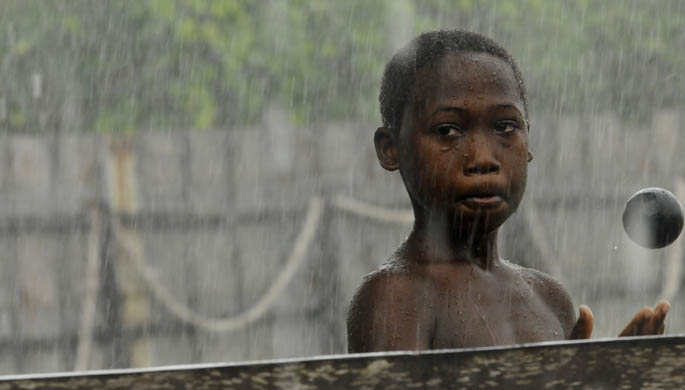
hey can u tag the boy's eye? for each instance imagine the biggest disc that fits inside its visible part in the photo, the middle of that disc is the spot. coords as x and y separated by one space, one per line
506 126
448 130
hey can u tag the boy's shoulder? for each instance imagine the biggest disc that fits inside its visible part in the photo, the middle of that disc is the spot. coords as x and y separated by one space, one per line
550 291
389 311
393 278
395 286
534 276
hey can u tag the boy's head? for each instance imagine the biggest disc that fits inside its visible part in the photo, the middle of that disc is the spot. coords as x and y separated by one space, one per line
427 49
455 125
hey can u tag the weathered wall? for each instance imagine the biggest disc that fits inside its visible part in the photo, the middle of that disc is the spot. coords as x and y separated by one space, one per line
214 216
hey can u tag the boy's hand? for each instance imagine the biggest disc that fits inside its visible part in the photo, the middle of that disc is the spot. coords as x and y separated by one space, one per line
583 328
648 321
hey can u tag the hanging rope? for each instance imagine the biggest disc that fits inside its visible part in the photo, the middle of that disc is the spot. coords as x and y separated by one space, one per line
256 311
372 211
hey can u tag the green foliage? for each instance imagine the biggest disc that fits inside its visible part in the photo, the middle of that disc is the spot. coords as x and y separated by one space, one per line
200 64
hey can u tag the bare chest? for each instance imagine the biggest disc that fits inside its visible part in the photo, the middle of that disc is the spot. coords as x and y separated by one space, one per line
483 313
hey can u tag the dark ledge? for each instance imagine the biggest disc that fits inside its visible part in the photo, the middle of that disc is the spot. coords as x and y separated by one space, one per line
626 363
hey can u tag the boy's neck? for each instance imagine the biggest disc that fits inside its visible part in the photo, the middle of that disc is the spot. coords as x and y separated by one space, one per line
436 241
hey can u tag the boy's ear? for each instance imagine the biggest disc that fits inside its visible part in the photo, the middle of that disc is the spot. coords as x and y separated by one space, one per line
386 149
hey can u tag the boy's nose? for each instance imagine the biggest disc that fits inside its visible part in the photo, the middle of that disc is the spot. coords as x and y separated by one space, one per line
480 158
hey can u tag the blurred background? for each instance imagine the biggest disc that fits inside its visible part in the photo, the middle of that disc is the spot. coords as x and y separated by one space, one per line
194 181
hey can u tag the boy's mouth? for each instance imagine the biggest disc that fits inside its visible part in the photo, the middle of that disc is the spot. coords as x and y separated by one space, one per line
482 201
481 197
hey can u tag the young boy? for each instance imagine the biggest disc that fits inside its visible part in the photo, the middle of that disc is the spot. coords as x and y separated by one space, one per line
455 124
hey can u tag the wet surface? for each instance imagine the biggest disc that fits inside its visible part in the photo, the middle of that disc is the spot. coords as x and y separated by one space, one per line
628 363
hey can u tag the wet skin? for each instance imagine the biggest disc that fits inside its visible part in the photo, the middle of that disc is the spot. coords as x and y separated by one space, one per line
463 146
462 151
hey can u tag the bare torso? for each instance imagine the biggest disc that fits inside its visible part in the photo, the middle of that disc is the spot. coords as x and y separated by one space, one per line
504 305
434 306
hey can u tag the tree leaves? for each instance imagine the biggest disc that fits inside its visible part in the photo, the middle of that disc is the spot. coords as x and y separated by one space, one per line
186 64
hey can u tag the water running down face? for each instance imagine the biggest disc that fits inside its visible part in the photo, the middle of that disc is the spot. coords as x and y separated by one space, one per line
463 144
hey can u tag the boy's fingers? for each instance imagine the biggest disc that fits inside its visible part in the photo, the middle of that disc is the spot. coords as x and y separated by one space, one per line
649 321
653 324
583 328
662 308
638 322
645 324
660 312
654 319
629 330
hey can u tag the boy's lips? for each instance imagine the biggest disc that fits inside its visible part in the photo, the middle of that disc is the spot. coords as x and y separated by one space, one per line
482 201
481 197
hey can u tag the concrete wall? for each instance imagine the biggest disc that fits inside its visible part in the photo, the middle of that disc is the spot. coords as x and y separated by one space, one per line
214 216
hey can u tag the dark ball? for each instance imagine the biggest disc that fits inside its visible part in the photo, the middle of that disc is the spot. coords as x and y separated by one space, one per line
653 218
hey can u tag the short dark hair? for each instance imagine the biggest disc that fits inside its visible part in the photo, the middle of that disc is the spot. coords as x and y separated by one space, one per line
427 49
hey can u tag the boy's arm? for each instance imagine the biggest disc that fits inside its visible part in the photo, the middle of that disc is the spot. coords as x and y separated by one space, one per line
560 302
389 313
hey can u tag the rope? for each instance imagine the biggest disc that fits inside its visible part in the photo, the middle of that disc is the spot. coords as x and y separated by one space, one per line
372 211
222 325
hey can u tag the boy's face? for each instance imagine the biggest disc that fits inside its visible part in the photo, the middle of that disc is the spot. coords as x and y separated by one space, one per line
462 148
